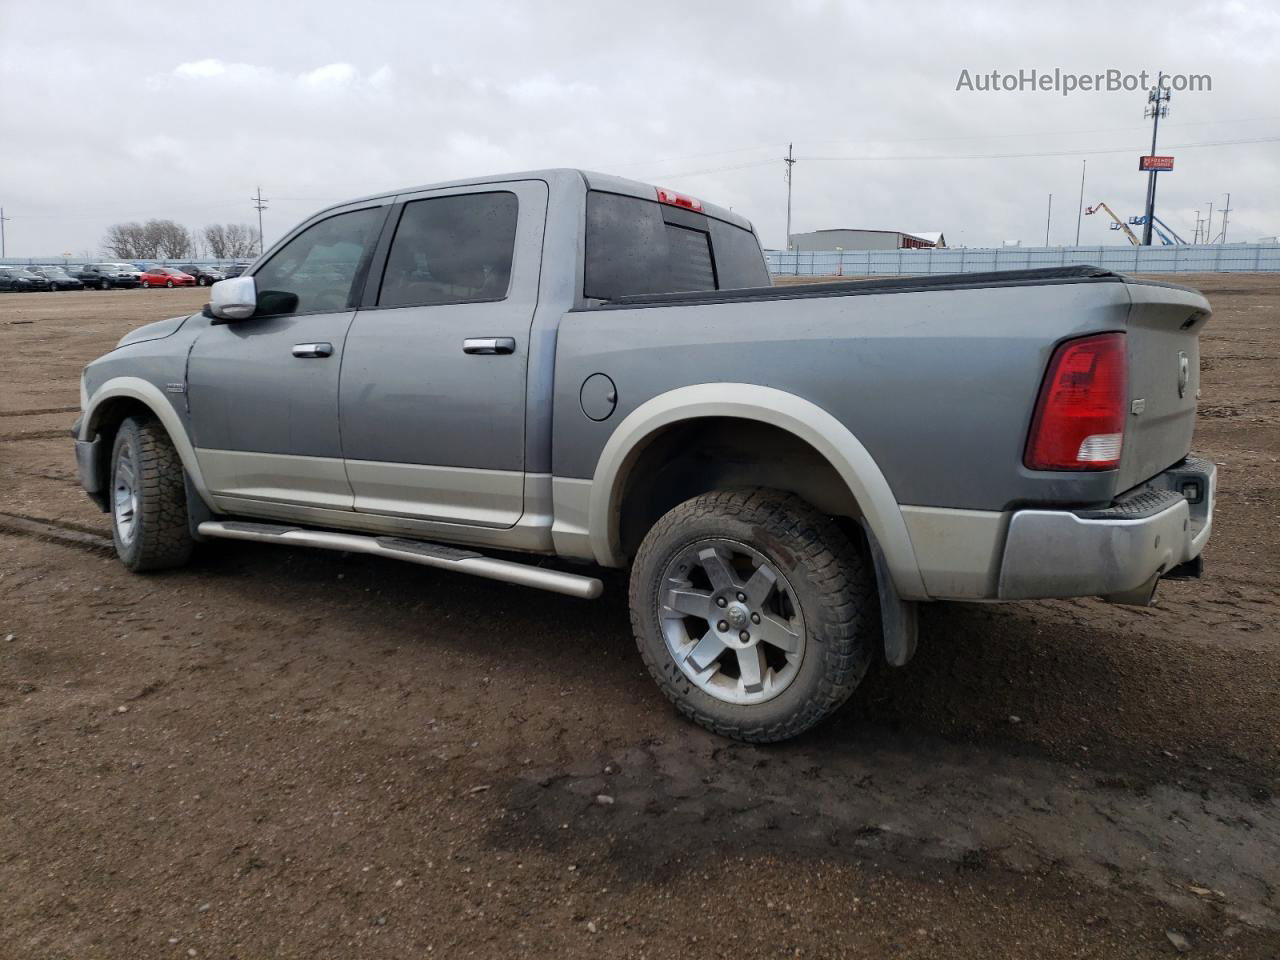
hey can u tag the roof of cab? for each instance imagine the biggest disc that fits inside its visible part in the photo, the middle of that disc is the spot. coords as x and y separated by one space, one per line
589 179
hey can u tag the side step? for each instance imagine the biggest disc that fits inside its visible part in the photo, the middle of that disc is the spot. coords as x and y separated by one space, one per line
439 555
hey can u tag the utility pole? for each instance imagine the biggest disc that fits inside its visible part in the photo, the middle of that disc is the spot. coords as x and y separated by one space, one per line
260 202
790 161
1196 238
1208 226
1157 107
1225 211
1080 209
1047 220
3 218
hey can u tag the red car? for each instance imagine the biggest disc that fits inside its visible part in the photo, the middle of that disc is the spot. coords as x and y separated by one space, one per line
166 277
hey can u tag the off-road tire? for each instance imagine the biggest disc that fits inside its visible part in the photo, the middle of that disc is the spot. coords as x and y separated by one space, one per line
161 538
832 576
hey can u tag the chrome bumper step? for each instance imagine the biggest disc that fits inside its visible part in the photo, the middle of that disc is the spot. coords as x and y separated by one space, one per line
439 555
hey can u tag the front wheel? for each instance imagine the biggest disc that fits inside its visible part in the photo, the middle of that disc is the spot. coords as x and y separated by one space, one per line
168 283
148 498
146 284
755 614
104 285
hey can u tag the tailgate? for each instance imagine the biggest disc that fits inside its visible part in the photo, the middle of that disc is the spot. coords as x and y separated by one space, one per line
1164 378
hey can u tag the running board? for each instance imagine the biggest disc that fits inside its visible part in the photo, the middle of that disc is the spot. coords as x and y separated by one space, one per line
412 551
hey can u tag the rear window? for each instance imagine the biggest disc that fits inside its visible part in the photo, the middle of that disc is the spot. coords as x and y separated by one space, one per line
639 246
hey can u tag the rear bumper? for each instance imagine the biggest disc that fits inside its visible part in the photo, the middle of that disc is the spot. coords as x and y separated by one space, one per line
1118 552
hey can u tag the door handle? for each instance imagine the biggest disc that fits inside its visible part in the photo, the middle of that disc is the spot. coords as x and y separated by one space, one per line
310 351
489 345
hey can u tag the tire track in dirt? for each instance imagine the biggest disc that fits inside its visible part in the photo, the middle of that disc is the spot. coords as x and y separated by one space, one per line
38 412
63 434
56 531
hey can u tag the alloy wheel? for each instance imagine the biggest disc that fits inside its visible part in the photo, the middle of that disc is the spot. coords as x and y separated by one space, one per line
731 621
124 495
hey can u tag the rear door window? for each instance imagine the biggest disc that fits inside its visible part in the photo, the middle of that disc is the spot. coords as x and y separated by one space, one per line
454 249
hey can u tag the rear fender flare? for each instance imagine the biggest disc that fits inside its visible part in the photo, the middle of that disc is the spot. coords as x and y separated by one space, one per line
804 419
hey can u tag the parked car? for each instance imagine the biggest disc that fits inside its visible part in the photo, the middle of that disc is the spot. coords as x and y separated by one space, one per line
166 277
108 275
21 280
234 270
576 365
204 275
59 278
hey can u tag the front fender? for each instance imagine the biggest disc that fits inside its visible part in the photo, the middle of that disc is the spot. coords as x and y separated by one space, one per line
155 400
798 416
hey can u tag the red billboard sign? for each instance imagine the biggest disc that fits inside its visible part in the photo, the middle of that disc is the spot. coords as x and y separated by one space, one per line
1155 163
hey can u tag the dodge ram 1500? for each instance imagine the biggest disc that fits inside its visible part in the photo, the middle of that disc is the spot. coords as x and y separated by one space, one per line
566 364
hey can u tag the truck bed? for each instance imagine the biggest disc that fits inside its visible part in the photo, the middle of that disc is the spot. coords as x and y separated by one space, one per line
908 284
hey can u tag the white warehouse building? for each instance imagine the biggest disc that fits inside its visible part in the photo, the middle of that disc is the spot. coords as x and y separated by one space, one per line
856 239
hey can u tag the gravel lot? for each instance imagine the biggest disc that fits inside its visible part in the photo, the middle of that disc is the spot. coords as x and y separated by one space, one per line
280 753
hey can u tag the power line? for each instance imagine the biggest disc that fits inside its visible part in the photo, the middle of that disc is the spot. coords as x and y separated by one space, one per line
626 164
1049 153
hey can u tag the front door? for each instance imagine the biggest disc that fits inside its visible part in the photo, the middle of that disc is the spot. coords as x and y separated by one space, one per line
433 381
263 392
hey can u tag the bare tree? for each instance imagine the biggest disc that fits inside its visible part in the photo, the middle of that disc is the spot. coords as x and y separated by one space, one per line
128 241
172 241
153 240
228 241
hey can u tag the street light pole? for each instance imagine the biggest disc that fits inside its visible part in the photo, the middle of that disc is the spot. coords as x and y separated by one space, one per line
1159 99
1048 218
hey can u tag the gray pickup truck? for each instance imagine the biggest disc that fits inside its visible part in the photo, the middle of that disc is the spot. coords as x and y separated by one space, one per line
565 364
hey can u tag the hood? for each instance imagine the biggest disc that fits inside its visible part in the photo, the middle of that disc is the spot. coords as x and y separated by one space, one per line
154 331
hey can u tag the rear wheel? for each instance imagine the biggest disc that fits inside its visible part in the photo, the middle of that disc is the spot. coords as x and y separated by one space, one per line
146 283
148 498
755 614
104 285
168 283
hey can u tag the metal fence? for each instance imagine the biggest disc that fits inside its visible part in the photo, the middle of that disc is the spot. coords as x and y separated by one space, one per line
157 262
1177 258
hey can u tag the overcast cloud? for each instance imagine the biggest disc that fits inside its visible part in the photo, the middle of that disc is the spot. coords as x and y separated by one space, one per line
117 112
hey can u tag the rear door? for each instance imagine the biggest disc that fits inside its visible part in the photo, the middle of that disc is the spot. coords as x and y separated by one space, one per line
433 381
263 392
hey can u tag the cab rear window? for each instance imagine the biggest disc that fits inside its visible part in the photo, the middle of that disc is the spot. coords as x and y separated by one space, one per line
637 246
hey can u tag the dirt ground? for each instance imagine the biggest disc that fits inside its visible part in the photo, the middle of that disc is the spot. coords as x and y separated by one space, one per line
280 753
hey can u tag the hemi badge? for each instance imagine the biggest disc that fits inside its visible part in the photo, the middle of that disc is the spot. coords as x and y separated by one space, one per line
175 387
1137 406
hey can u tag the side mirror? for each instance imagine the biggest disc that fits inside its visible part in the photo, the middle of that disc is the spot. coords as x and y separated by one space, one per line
234 299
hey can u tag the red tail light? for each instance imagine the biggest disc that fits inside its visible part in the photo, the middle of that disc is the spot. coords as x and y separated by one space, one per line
678 199
1079 419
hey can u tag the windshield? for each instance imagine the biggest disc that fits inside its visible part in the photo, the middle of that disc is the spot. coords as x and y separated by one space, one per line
53 271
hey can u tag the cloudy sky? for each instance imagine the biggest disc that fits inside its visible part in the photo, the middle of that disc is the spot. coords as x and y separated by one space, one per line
114 112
